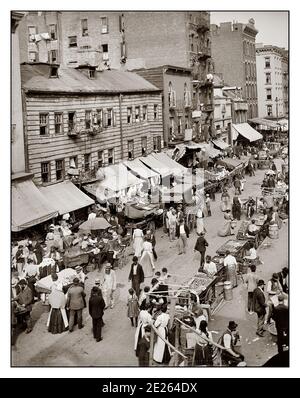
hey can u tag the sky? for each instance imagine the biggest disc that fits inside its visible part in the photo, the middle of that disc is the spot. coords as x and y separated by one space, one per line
272 25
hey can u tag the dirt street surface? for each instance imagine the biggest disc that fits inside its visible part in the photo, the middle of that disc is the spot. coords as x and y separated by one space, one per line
40 348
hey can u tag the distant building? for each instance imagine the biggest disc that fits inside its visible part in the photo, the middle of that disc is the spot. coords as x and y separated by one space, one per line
233 53
222 111
272 81
126 40
176 86
84 119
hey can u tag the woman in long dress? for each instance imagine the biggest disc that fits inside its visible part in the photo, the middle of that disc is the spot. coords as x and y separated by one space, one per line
203 354
225 201
236 208
138 240
200 223
144 319
161 352
57 319
147 259
227 228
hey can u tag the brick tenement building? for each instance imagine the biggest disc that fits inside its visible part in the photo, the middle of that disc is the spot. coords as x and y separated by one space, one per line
233 53
125 40
272 81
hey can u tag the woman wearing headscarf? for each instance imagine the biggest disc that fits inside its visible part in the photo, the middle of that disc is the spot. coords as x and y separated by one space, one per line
203 354
57 319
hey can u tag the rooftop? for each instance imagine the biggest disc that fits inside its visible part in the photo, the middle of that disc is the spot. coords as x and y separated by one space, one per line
35 78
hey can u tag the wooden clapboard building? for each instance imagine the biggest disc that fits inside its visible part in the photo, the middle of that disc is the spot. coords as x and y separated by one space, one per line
78 120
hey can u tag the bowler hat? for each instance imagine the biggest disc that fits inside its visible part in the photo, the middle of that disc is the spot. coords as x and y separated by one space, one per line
232 325
75 281
260 282
275 276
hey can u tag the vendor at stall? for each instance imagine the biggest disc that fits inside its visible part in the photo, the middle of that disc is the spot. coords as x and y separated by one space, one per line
209 268
252 253
252 229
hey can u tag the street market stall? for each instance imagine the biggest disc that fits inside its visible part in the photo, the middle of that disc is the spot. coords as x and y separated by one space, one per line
65 278
237 248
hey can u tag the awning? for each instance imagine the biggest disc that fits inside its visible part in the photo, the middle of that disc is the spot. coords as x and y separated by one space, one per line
172 164
212 152
140 169
247 131
118 178
230 163
29 206
156 165
220 144
265 122
66 196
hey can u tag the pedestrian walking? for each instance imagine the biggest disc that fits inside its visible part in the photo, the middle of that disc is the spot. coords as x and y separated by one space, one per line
230 265
172 220
151 237
183 234
138 240
96 310
136 275
144 319
143 348
259 303
161 352
207 203
237 185
251 279
132 307
200 224
200 247
147 259
236 208
225 201
76 303
281 318
57 319
108 286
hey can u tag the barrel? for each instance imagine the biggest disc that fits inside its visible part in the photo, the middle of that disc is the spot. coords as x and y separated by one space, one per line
273 231
227 291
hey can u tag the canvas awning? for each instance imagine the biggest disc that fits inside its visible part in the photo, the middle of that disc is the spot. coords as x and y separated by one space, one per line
140 169
212 152
247 131
220 144
172 164
29 206
230 163
118 178
66 196
156 165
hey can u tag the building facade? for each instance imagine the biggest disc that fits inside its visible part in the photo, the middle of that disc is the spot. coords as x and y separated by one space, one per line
82 120
272 81
126 41
222 111
233 53
176 86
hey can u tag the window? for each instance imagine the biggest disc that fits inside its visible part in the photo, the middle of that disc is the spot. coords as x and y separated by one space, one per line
72 41
59 168
269 110
54 71
269 94
104 52
267 62
87 161
223 108
44 117
71 121
155 112
45 172
31 33
84 27
58 122
52 56
109 117
53 32
171 125
157 143
104 23
110 156
186 122
32 57
74 162
192 46
98 118
100 159
144 146
179 125
137 114
268 78
145 112
92 73
171 96
88 119
130 150
129 115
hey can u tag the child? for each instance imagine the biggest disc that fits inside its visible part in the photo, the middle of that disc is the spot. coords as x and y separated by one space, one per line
133 307
207 202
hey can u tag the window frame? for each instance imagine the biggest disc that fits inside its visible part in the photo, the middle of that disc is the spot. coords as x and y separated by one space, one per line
62 169
36 56
46 124
144 113
88 120
129 115
104 27
155 112
84 27
56 114
137 108
72 45
31 34
111 157
55 31
144 147
73 121
48 172
130 149
87 156
75 158
100 159
267 60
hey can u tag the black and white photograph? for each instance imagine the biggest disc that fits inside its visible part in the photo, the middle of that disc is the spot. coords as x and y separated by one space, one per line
149 188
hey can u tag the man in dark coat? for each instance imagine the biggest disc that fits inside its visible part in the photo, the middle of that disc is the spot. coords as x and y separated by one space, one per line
24 298
182 232
39 252
76 303
281 318
96 309
143 347
200 247
136 275
259 304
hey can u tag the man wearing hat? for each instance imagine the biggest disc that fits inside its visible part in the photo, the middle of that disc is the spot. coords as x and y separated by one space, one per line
229 340
76 303
274 288
96 309
109 286
136 275
25 298
281 318
259 304
200 246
